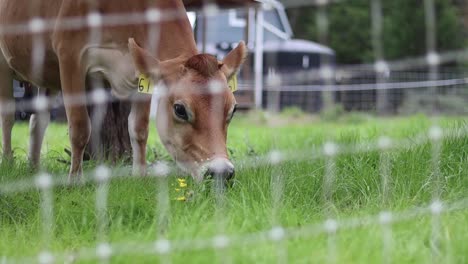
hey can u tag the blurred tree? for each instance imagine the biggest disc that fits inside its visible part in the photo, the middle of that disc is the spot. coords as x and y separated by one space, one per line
404 27
403 31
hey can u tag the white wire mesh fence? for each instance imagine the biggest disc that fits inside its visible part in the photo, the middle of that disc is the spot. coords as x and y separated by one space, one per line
103 176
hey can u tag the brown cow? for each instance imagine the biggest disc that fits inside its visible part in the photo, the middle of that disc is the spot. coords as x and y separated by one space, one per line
192 120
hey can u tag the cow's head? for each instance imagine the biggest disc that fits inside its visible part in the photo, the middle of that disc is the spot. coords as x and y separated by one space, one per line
195 109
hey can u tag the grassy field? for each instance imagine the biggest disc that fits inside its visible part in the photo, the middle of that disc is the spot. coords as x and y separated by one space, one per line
250 206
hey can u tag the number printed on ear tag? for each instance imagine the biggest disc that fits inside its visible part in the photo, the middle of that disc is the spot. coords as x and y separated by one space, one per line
145 85
233 83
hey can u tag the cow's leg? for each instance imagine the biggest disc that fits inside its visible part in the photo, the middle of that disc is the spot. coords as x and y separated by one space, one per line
37 126
7 106
79 124
138 121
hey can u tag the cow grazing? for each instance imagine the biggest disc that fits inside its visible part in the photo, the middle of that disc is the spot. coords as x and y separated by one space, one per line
192 117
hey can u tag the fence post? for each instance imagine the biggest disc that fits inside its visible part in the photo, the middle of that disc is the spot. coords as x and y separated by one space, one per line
259 58
381 67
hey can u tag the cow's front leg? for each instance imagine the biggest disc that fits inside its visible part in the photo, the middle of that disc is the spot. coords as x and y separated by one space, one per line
7 107
7 120
38 123
138 122
79 124
79 127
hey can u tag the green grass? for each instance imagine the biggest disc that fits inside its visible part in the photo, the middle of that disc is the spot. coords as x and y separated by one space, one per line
249 206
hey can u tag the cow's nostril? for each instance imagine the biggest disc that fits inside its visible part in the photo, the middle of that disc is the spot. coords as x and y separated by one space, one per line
221 171
225 173
230 174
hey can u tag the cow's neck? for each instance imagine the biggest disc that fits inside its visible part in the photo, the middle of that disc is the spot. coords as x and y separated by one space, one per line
176 35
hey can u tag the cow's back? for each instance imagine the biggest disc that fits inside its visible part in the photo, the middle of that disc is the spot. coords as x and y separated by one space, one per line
17 47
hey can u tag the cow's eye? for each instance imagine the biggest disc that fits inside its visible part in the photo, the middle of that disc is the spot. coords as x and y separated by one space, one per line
232 114
180 111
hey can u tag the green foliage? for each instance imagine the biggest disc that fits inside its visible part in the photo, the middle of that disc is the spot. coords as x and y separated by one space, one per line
292 111
403 28
356 117
337 113
332 113
258 116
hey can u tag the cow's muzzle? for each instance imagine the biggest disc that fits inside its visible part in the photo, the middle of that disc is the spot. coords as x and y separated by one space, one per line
220 169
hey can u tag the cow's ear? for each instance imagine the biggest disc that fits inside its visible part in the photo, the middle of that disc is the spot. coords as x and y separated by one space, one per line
233 60
146 63
143 60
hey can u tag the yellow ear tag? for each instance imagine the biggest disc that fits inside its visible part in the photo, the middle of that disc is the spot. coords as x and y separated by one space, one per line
144 84
233 83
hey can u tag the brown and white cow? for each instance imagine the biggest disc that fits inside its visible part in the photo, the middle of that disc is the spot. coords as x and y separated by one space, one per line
191 120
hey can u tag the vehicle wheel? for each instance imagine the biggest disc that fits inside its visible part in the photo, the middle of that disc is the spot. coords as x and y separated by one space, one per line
23 115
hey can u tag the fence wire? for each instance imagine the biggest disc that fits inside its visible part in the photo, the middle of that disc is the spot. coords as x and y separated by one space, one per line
329 78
